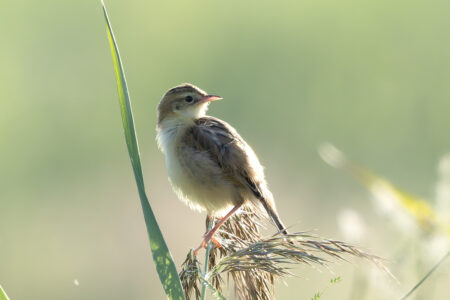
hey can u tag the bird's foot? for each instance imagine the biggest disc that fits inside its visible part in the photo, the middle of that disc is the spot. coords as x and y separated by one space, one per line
208 237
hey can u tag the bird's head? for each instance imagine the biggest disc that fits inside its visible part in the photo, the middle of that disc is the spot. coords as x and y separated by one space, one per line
185 102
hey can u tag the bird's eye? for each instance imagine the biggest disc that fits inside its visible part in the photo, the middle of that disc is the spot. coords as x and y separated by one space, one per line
188 99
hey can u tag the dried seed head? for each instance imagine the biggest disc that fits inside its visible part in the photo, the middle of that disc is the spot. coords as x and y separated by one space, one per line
253 262
189 276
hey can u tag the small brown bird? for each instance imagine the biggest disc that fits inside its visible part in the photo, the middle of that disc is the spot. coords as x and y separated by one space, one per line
210 166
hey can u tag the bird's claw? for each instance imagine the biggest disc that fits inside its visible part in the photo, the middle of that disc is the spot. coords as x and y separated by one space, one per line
202 245
216 243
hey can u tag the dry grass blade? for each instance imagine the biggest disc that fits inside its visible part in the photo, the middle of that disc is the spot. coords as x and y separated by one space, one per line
279 253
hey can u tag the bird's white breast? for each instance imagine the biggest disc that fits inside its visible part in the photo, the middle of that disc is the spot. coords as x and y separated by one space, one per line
214 197
167 138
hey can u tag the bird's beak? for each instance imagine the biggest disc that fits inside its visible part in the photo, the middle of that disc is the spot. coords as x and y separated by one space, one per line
209 98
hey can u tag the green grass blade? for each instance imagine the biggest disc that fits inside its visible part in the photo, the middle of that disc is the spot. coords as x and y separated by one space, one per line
3 295
426 276
161 256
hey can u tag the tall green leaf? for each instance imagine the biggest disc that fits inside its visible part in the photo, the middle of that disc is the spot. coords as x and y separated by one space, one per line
3 295
161 256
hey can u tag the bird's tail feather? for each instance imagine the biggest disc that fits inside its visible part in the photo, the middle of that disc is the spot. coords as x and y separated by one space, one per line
273 215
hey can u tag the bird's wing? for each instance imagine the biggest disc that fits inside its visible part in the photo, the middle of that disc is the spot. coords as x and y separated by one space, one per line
231 153
237 160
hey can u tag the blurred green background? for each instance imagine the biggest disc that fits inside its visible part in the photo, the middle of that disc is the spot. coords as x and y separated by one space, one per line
370 76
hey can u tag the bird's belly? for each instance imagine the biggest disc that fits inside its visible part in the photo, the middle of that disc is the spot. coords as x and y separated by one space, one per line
200 187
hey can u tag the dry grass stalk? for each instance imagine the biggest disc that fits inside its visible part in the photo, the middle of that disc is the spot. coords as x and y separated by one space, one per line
250 283
253 262
189 276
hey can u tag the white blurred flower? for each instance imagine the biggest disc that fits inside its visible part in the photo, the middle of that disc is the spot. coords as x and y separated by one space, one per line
384 200
76 282
443 189
444 166
351 225
387 203
437 246
385 286
332 155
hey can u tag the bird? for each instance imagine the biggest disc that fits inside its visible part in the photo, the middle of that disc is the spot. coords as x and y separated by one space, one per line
210 166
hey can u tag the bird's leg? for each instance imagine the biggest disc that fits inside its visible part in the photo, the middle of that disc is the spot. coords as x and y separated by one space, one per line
213 239
209 235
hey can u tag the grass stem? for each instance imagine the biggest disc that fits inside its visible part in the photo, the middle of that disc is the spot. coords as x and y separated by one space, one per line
205 267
